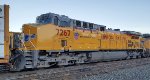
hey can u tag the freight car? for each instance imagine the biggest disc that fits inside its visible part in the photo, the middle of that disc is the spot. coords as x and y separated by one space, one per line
59 40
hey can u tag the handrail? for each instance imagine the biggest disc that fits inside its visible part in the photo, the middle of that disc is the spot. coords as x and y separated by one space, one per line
32 44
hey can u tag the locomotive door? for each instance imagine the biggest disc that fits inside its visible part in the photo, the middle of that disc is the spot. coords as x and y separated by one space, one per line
64 44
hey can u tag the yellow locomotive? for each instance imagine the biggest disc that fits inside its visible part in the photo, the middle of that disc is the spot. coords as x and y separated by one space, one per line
59 40
52 37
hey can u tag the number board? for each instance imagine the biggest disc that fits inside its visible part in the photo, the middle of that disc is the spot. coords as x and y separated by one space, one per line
62 32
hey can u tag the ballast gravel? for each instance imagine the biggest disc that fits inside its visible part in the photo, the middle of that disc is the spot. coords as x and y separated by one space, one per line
134 69
136 73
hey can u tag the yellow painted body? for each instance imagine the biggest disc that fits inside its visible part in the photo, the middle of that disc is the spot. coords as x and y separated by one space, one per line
147 44
52 37
135 43
113 41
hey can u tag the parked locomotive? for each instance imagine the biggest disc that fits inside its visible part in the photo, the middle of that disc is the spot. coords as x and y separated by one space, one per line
59 40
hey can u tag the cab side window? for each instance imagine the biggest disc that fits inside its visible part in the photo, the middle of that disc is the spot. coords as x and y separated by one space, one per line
90 25
102 28
85 25
78 23
56 20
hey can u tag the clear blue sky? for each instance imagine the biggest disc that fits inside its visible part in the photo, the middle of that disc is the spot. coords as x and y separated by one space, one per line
122 14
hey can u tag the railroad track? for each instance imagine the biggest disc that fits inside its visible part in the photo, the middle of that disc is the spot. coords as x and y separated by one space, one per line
74 72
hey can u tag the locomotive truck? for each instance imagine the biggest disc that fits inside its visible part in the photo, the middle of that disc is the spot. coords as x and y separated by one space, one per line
59 40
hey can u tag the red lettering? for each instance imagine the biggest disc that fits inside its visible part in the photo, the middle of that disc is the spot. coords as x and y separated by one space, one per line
62 32
68 32
65 33
57 31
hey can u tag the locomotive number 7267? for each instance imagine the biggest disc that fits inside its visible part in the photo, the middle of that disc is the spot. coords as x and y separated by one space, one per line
62 32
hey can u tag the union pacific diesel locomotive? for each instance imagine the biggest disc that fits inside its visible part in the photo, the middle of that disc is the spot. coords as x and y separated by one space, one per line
59 40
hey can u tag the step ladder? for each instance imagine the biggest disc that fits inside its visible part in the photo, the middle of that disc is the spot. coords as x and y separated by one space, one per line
28 59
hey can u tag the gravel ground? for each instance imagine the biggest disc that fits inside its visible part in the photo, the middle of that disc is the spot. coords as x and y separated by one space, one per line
136 73
135 69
